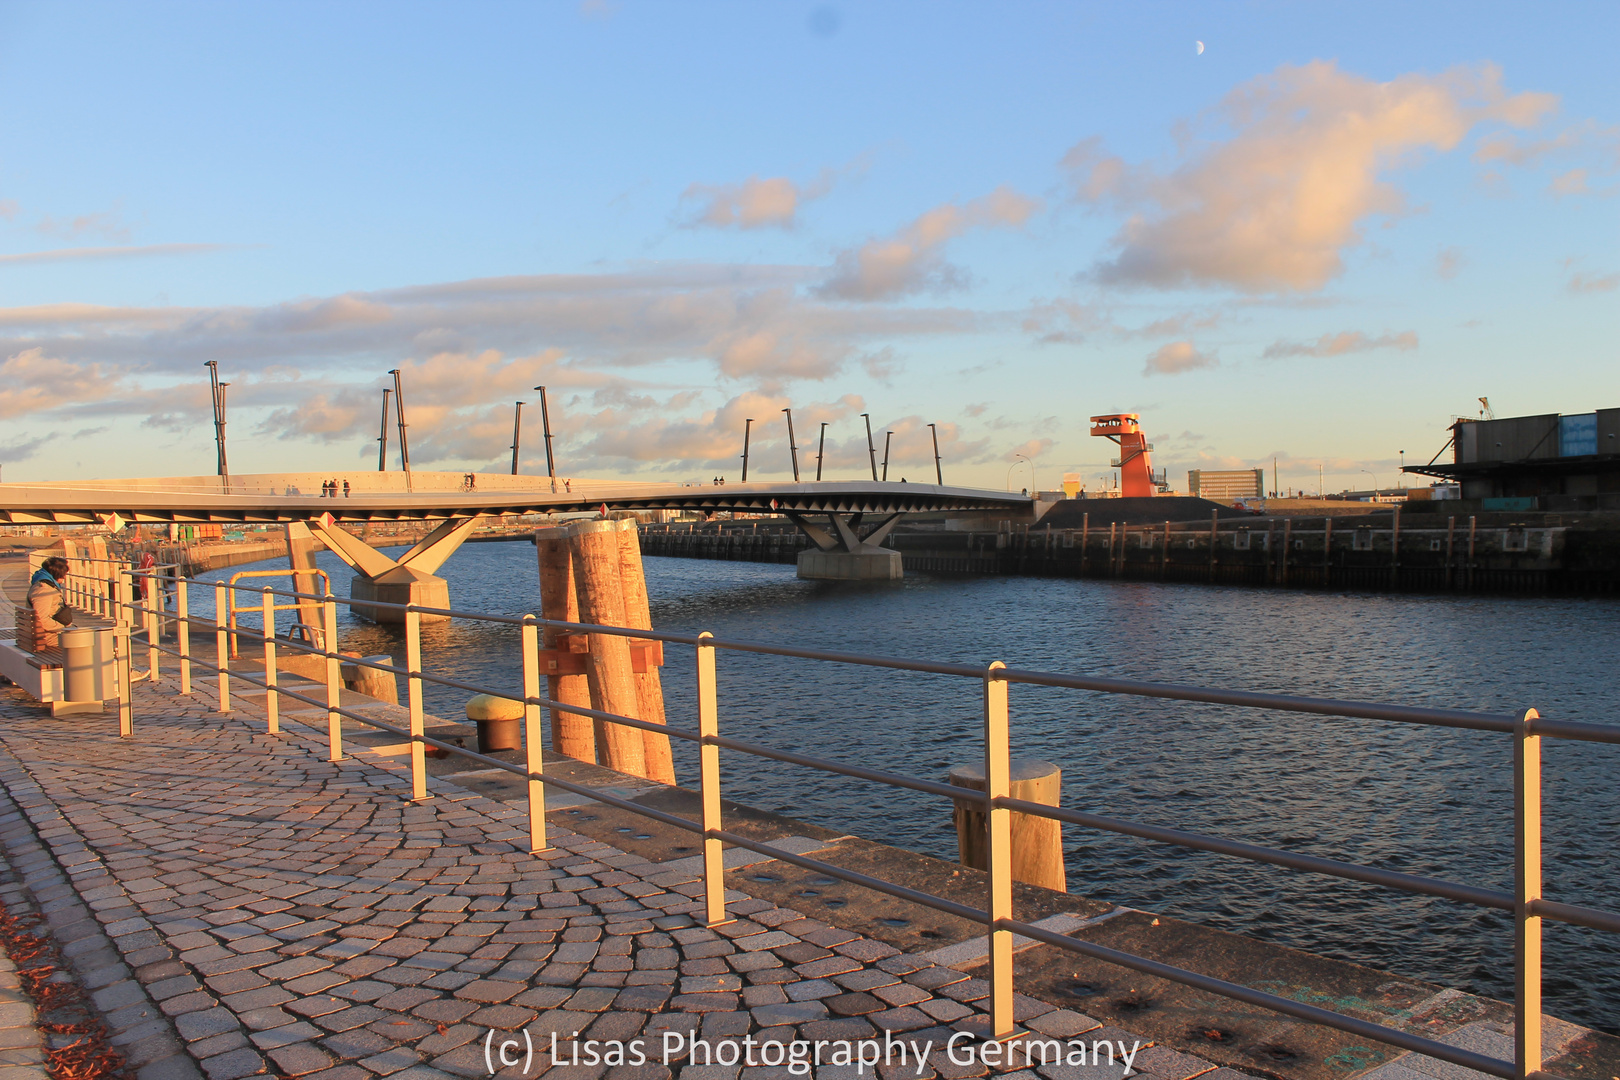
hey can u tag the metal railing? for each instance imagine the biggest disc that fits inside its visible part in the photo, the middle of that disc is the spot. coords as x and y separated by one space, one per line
1526 729
310 634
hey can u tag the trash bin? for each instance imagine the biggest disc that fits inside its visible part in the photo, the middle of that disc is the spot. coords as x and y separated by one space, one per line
79 673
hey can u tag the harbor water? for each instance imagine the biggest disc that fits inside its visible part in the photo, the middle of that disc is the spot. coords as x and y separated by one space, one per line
1427 801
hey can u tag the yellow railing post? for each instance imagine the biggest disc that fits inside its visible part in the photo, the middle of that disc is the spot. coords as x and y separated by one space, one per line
182 632
121 656
154 622
223 660
418 758
998 848
714 867
334 679
1527 890
272 702
533 738
413 694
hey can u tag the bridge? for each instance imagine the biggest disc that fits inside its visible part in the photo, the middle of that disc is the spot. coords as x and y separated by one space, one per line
201 500
846 520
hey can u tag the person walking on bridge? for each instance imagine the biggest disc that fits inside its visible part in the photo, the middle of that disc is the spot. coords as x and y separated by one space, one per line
49 606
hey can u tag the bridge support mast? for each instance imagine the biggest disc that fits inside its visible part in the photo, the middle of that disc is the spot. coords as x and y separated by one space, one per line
843 554
406 580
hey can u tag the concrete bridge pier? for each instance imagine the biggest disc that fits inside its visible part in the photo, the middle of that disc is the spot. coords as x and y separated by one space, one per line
843 554
406 580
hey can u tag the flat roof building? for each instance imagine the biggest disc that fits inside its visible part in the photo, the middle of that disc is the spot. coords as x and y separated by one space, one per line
1224 486
1564 461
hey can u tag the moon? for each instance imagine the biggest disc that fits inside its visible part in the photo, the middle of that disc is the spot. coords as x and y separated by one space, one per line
1200 45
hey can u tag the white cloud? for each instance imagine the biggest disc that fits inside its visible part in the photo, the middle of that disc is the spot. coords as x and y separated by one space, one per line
626 349
1589 283
910 261
107 224
23 449
33 383
744 321
1448 263
755 203
1349 341
1275 204
1508 148
96 253
1060 322
1177 358
1034 448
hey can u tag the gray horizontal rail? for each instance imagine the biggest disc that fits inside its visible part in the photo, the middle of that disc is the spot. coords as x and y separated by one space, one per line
1576 915
1364 1028
1575 730
949 791
615 718
1467 894
1251 699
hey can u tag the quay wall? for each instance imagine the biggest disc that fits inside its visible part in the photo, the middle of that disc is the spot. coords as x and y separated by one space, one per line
1381 552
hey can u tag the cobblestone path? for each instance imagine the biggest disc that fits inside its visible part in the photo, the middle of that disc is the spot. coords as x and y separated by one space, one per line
237 905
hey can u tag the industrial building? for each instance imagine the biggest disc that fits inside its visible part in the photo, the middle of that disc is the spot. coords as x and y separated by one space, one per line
1546 462
1226 486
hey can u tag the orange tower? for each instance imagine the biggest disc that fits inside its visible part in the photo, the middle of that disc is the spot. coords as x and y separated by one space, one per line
1135 463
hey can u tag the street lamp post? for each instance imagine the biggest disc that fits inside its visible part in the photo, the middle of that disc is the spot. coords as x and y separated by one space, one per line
1403 470
517 429
871 449
1014 465
382 438
399 413
545 427
793 449
219 421
1369 472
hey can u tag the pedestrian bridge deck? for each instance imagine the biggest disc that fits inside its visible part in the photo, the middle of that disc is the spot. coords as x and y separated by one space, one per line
135 502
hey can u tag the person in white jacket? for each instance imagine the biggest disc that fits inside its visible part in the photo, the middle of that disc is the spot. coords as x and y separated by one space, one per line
45 597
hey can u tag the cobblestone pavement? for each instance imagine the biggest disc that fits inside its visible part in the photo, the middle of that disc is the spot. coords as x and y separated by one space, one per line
238 905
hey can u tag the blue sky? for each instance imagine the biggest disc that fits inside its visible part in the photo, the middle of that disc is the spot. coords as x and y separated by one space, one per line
1319 240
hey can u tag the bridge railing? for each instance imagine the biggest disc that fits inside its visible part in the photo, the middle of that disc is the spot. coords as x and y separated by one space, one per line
1523 730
